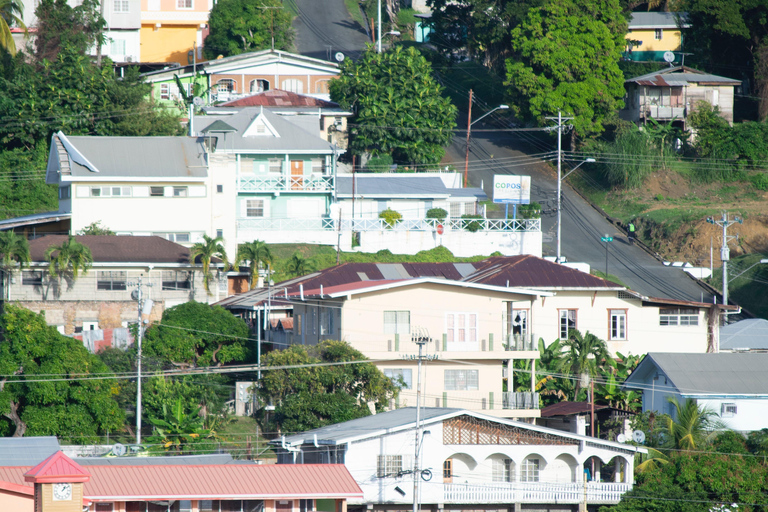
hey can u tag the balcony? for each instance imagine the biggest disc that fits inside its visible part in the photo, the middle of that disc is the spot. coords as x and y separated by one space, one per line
519 225
535 492
665 112
278 183
519 400
521 342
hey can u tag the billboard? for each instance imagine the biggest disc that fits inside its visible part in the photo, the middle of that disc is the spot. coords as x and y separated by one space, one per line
511 189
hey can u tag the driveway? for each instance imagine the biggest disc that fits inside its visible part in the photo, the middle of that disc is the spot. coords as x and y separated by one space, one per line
324 27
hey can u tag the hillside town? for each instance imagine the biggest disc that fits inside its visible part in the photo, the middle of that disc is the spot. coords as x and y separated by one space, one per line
383 255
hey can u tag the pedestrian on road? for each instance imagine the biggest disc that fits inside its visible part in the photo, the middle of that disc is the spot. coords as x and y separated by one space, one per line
631 233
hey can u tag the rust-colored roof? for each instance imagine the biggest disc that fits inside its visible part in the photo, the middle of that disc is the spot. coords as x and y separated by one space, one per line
286 324
569 409
531 272
279 98
57 468
118 249
225 481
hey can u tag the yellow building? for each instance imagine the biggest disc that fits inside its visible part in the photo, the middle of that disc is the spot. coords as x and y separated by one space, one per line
170 29
651 34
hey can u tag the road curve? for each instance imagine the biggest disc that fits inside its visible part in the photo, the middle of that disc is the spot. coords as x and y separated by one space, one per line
324 27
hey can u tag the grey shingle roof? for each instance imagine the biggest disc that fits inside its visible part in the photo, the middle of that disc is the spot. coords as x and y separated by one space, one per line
389 186
751 334
171 157
722 373
26 451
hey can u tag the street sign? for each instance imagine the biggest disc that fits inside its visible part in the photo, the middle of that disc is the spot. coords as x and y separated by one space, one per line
607 239
440 229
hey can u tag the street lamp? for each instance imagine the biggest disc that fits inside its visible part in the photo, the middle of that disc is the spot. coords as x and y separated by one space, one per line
393 32
560 179
469 130
390 33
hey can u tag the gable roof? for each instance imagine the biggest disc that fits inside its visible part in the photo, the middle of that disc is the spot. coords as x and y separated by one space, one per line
705 374
292 137
400 185
653 20
533 272
57 468
279 98
126 157
269 481
749 334
118 249
681 76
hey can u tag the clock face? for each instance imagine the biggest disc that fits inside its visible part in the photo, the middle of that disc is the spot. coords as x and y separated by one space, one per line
62 492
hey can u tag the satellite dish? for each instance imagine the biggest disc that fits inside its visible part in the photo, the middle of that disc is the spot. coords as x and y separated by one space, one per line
339 57
638 436
119 450
198 101
669 57
621 438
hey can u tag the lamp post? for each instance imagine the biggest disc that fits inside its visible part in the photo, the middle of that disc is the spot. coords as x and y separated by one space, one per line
390 33
560 179
378 22
469 130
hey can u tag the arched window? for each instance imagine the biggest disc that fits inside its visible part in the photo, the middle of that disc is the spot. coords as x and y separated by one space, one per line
226 85
321 87
259 86
293 85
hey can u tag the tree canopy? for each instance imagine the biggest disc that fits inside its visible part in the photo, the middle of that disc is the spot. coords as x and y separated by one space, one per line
565 57
307 397
240 26
398 105
46 389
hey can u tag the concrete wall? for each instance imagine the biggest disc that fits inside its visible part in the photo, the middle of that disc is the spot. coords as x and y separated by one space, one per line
670 40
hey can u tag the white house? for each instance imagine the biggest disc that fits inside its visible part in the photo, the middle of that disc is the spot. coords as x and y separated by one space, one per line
732 385
466 461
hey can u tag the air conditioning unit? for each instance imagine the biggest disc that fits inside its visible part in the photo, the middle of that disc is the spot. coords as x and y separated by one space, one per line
129 58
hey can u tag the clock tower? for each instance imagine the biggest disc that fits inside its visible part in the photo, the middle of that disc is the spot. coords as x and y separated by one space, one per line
58 484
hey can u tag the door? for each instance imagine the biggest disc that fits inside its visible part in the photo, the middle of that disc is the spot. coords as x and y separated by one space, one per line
297 174
448 471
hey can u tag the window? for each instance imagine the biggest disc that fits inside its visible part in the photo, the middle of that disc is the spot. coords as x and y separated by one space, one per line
31 278
117 47
226 85
275 165
306 505
455 210
658 34
728 410
326 322
184 4
165 91
156 191
502 470
176 280
321 87
397 322
259 85
618 324
219 189
461 327
65 192
678 316
219 233
389 465
111 280
318 165
293 85
447 469
180 191
567 322
529 472
121 6
174 237
104 507
254 208
461 380
110 191
400 376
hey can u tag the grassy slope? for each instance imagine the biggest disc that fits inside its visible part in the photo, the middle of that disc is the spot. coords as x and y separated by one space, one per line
236 434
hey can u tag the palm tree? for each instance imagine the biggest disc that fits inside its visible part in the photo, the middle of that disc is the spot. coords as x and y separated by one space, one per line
582 357
14 249
256 253
692 426
206 250
68 259
11 12
298 265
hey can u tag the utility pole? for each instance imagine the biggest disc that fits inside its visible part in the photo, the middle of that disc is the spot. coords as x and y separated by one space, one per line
725 252
419 336
145 307
469 127
378 20
561 126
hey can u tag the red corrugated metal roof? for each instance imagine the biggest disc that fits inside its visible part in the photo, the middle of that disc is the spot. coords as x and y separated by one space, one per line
279 98
57 468
532 272
233 481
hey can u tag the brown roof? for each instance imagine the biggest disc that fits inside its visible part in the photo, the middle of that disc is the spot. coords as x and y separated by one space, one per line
215 481
118 249
279 98
532 272
569 409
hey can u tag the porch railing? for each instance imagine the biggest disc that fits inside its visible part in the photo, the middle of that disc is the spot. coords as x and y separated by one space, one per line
268 183
535 492
526 225
520 400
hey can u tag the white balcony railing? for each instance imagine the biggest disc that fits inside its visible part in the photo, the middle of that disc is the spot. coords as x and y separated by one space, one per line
535 492
520 400
521 342
269 224
525 225
269 183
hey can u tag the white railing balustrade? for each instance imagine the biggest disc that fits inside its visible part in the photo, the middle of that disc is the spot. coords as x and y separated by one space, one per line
520 400
269 183
269 224
519 342
535 492
381 225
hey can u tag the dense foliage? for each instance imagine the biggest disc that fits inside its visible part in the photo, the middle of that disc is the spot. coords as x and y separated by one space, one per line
398 106
240 26
49 387
308 396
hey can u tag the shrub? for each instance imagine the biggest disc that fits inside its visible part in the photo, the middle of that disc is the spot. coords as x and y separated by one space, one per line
381 163
437 213
472 225
759 181
530 211
391 217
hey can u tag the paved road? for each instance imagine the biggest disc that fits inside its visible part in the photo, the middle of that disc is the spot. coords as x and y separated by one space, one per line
324 27
583 226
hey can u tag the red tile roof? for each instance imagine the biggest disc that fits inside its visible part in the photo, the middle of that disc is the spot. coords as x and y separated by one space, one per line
226 481
57 468
279 98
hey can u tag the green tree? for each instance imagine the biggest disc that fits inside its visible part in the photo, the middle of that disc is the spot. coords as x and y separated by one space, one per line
20 195
582 357
398 106
240 26
67 260
196 334
308 396
298 265
95 228
256 254
48 385
565 57
60 25
14 251
692 427
11 12
206 250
